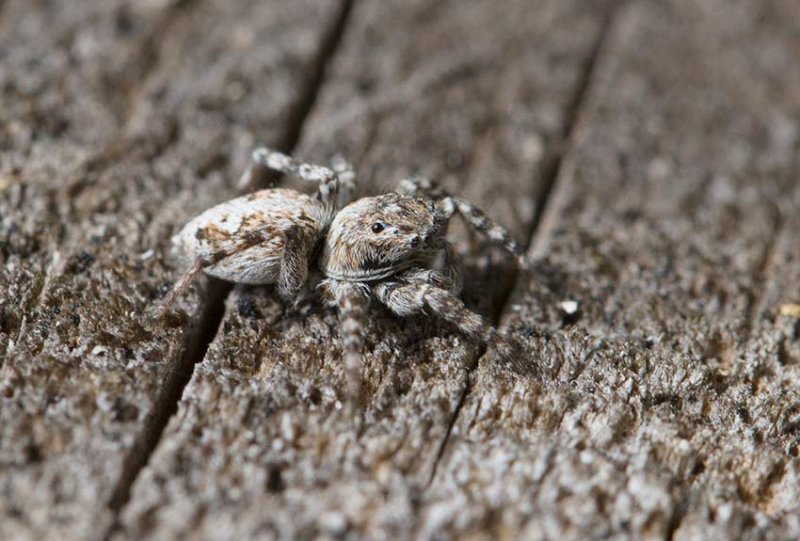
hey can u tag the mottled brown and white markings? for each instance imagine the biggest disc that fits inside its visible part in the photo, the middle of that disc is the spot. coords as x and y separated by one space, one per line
391 248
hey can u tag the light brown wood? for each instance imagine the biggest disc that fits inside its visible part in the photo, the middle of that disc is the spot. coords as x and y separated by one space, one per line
124 119
414 88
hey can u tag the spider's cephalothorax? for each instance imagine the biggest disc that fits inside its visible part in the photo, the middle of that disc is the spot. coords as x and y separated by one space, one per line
391 248
377 237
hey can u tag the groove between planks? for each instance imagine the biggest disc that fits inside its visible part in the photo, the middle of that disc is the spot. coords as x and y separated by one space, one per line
551 175
198 340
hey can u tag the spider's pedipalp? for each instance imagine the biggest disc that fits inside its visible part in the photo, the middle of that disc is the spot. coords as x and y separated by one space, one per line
452 268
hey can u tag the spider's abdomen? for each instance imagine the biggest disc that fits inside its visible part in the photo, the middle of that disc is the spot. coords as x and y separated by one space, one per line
266 216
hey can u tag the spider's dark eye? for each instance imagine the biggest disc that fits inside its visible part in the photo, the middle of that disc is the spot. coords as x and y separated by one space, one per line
377 227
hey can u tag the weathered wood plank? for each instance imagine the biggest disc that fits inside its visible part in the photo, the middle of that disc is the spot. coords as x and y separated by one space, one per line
258 447
653 415
57 72
81 379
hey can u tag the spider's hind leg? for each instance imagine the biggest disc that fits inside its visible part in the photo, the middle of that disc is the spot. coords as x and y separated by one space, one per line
180 287
265 159
421 187
347 179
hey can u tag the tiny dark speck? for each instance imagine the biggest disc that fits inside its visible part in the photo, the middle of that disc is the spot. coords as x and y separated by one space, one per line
570 319
33 453
86 258
81 262
275 479
247 308
163 289
124 23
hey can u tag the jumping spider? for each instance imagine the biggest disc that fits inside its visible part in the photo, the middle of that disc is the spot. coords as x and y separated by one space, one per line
391 248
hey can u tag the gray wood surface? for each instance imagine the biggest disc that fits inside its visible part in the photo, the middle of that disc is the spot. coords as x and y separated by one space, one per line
263 405
647 151
85 376
662 410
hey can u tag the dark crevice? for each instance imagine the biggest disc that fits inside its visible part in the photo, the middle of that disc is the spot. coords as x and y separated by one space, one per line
762 273
551 164
200 336
456 412
549 173
194 346
675 520
138 70
313 84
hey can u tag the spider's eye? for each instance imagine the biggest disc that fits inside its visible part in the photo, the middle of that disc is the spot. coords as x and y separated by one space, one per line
377 227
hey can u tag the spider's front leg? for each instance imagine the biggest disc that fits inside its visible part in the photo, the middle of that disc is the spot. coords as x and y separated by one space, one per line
352 300
416 293
447 205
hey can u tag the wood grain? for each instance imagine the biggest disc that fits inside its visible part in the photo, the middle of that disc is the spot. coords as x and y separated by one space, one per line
656 412
259 446
83 366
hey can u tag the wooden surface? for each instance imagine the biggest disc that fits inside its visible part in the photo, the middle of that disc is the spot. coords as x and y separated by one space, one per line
647 152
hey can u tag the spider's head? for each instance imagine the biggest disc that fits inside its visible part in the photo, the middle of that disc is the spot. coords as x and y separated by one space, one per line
376 237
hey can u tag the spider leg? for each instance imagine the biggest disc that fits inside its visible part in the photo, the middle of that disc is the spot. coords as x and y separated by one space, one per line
200 264
414 294
294 265
180 287
480 223
421 186
265 159
352 301
448 205
347 179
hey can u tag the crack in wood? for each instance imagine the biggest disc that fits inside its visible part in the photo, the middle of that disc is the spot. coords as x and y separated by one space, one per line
550 171
197 341
148 60
763 272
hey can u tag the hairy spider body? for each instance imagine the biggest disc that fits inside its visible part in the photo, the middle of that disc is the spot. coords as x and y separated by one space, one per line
264 220
390 248
377 237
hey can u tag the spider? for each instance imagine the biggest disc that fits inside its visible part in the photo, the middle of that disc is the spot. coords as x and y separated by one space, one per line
391 248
